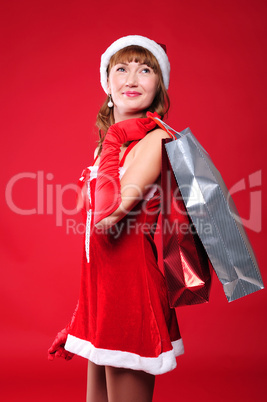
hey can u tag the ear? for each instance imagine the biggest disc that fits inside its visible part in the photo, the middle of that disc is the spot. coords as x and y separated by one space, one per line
108 86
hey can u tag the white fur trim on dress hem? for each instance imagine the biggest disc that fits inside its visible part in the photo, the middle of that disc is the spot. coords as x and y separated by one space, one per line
116 358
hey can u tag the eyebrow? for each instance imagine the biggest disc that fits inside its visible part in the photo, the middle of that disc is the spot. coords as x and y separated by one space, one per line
140 64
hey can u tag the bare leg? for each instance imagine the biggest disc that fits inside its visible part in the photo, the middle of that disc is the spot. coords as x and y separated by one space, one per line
126 385
96 383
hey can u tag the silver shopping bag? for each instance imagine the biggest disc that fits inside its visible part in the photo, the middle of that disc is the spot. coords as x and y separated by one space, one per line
213 214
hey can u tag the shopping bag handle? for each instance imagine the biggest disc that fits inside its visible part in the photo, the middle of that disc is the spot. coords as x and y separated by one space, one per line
172 133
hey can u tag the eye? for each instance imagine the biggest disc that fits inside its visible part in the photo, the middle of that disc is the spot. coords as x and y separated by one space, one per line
146 70
122 69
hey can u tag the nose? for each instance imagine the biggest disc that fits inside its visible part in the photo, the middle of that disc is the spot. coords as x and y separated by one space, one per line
132 79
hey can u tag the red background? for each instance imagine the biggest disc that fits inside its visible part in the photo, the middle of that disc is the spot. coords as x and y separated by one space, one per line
50 97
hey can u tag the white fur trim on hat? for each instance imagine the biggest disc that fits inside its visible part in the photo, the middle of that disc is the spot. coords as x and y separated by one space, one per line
138 40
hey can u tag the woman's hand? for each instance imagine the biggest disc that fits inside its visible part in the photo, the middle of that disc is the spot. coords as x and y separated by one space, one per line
57 347
130 130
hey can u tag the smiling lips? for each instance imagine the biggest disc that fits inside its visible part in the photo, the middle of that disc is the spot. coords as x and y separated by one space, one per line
132 94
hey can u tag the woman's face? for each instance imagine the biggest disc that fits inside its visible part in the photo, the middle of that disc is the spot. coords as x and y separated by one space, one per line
133 87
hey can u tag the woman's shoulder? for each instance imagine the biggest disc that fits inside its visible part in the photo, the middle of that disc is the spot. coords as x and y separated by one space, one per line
153 138
149 147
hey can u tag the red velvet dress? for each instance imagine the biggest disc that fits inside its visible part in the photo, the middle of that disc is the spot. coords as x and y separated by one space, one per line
123 317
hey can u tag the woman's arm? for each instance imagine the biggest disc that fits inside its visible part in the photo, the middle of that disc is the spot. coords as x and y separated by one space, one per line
96 152
142 172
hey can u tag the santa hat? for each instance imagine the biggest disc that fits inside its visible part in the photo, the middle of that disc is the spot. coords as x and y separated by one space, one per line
155 48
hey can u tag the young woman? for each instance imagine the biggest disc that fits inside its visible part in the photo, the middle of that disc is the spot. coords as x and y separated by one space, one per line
123 323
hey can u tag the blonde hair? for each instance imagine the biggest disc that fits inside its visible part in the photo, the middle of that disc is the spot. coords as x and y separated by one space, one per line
161 102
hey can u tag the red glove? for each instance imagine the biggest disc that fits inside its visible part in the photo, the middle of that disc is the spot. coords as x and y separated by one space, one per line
57 347
108 190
